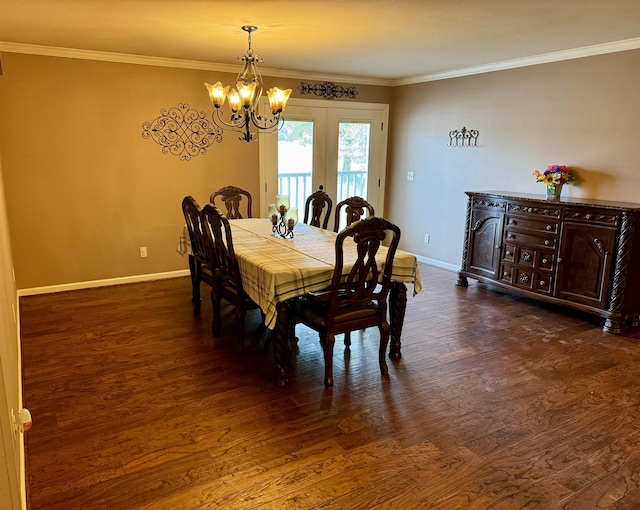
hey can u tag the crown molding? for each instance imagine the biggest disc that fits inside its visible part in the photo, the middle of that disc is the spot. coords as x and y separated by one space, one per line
545 58
127 58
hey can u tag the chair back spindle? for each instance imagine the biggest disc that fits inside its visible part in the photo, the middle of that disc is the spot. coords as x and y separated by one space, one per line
314 209
231 198
354 207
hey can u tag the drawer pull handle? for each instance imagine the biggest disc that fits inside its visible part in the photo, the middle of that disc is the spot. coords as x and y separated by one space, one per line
549 228
547 242
542 283
588 216
510 236
524 278
599 245
545 261
477 225
505 274
507 253
559 260
511 222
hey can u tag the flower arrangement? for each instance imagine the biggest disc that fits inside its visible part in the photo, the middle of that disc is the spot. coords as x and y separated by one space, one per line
554 175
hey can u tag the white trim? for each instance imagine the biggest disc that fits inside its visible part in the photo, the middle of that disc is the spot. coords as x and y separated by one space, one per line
587 51
126 58
103 283
326 118
438 263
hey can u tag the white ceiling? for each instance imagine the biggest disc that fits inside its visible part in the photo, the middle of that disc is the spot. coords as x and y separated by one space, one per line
386 40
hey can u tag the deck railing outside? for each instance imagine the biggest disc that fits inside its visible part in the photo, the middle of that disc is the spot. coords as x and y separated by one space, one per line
298 187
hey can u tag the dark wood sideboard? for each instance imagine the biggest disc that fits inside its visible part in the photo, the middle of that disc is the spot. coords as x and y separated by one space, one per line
579 253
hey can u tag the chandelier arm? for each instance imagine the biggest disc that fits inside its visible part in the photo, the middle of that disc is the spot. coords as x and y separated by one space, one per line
237 124
266 124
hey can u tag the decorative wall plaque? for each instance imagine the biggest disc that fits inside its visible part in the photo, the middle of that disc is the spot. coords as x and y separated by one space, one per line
328 90
463 137
182 131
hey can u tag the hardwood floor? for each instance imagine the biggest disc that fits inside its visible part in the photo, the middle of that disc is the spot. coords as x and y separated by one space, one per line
497 403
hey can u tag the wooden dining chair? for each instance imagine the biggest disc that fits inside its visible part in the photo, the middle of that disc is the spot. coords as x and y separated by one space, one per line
354 208
357 298
231 197
217 233
199 264
314 208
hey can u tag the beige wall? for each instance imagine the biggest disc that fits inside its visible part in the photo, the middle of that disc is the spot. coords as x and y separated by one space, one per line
84 189
583 113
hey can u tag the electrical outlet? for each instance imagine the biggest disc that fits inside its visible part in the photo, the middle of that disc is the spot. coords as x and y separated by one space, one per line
143 252
427 238
409 176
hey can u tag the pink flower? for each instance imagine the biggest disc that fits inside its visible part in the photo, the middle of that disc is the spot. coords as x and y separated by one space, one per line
554 174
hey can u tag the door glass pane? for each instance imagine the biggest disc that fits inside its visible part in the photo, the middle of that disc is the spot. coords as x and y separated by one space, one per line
353 159
295 161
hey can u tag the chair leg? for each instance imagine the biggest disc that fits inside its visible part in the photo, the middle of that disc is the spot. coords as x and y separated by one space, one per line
328 340
385 332
196 277
215 304
196 296
347 339
241 315
192 273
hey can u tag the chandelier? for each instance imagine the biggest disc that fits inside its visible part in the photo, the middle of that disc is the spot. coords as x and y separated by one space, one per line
243 100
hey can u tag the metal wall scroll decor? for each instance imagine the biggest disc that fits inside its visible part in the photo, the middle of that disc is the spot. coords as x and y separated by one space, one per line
463 137
328 90
182 131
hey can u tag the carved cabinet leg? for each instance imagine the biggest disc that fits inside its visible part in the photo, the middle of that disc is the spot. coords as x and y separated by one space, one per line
462 281
612 326
397 308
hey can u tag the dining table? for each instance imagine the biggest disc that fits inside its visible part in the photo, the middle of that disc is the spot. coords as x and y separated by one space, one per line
275 271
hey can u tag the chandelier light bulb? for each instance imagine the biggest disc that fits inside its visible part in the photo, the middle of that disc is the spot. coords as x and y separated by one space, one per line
217 93
235 103
278 99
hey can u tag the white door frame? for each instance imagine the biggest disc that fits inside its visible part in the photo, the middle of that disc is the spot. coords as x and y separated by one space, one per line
268 146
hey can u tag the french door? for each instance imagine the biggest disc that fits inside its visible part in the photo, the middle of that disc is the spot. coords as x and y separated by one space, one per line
340 146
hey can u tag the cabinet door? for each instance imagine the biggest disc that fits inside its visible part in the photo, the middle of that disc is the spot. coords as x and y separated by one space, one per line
584 263
485 234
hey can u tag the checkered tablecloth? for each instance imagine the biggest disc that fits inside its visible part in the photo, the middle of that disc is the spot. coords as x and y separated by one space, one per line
274 270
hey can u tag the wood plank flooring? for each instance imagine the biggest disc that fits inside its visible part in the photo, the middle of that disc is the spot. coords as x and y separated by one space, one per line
497 402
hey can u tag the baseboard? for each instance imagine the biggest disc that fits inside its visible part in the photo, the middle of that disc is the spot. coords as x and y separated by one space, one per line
102 283
438 263
162 276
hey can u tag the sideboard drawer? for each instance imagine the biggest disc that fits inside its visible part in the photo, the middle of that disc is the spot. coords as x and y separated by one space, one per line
592 215
550 226
530 240
543 282
546 260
